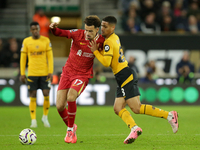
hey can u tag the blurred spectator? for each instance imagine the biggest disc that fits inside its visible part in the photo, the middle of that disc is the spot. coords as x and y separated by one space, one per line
126 4
131 21
152 72
43 21
167 24
147 7
185 69
193 25
11 54
181 22
131 64
149 25
194 9
131 26
178 8
165 10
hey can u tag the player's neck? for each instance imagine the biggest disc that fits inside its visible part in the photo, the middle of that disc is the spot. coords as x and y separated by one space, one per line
36 37
109 35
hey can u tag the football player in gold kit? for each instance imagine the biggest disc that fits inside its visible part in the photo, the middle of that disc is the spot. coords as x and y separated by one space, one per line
127 90
40 69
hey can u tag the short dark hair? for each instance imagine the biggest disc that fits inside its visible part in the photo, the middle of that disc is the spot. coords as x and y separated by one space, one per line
110 19
34 23
93 20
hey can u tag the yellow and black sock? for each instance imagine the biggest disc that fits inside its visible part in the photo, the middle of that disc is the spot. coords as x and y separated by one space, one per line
32 107
127 118
46 105
153 111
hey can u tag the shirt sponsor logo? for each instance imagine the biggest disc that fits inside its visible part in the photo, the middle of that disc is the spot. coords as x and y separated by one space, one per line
88 55
84 54
82 43
79 52
36 53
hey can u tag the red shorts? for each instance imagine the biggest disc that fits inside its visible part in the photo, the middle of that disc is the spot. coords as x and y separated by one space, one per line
75 82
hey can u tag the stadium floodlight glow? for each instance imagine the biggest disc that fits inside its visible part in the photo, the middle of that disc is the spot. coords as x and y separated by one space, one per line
160 81
55 19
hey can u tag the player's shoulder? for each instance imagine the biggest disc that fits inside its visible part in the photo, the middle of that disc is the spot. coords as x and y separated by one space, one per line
44 37
27 39
112 38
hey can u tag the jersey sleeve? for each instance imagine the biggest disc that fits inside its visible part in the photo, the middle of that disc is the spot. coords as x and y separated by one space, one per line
23 58
106 57
108 48
49 57
62 33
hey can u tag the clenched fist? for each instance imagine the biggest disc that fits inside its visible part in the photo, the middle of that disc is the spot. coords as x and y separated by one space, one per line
53 25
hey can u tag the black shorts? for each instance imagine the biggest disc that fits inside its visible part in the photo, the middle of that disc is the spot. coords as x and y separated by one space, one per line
35 83
127 83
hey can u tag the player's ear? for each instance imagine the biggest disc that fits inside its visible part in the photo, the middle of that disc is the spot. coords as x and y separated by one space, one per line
113 27
97 29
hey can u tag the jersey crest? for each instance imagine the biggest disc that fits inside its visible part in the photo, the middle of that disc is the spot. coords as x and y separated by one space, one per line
106 48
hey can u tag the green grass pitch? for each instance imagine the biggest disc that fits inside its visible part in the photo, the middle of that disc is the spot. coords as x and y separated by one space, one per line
100 129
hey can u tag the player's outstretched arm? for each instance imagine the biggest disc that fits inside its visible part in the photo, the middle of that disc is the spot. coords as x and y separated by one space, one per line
53 25
56 31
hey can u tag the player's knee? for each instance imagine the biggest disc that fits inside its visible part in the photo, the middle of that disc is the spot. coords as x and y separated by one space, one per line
60 107
116 110
45 92
136 110
32 93
71 98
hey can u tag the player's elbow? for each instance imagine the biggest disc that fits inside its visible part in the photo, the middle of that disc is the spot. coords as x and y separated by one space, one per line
106 64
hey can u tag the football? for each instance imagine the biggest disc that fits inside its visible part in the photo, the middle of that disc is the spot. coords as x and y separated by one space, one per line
27 137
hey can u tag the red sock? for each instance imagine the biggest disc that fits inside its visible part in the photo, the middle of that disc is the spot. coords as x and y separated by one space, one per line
64 115
71 113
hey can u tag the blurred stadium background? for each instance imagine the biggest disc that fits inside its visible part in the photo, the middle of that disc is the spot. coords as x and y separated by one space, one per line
165 48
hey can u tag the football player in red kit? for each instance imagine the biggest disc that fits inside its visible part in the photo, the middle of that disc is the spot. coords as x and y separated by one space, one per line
77 70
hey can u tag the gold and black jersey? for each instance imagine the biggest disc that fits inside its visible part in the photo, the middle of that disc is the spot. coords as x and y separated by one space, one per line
40 56
113 49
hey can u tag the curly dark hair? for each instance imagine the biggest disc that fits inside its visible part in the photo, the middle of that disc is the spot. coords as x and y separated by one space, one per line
93 20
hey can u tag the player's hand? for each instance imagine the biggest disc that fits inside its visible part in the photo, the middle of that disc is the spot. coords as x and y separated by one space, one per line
53 25
23 78
50 77
93 45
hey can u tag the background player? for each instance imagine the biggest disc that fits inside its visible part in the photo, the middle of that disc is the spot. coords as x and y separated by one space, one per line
77 70
40 70
127 90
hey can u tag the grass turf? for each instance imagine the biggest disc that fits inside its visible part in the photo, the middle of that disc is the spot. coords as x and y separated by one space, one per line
100 129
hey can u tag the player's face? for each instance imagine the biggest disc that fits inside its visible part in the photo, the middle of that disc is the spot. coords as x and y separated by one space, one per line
35 30
106 29
91 32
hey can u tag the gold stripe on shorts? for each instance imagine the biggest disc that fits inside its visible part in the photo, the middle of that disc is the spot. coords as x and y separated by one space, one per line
130 78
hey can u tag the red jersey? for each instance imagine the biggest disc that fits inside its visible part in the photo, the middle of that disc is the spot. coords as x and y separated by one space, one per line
80 60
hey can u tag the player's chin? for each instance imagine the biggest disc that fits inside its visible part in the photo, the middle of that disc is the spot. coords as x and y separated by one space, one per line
89 38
